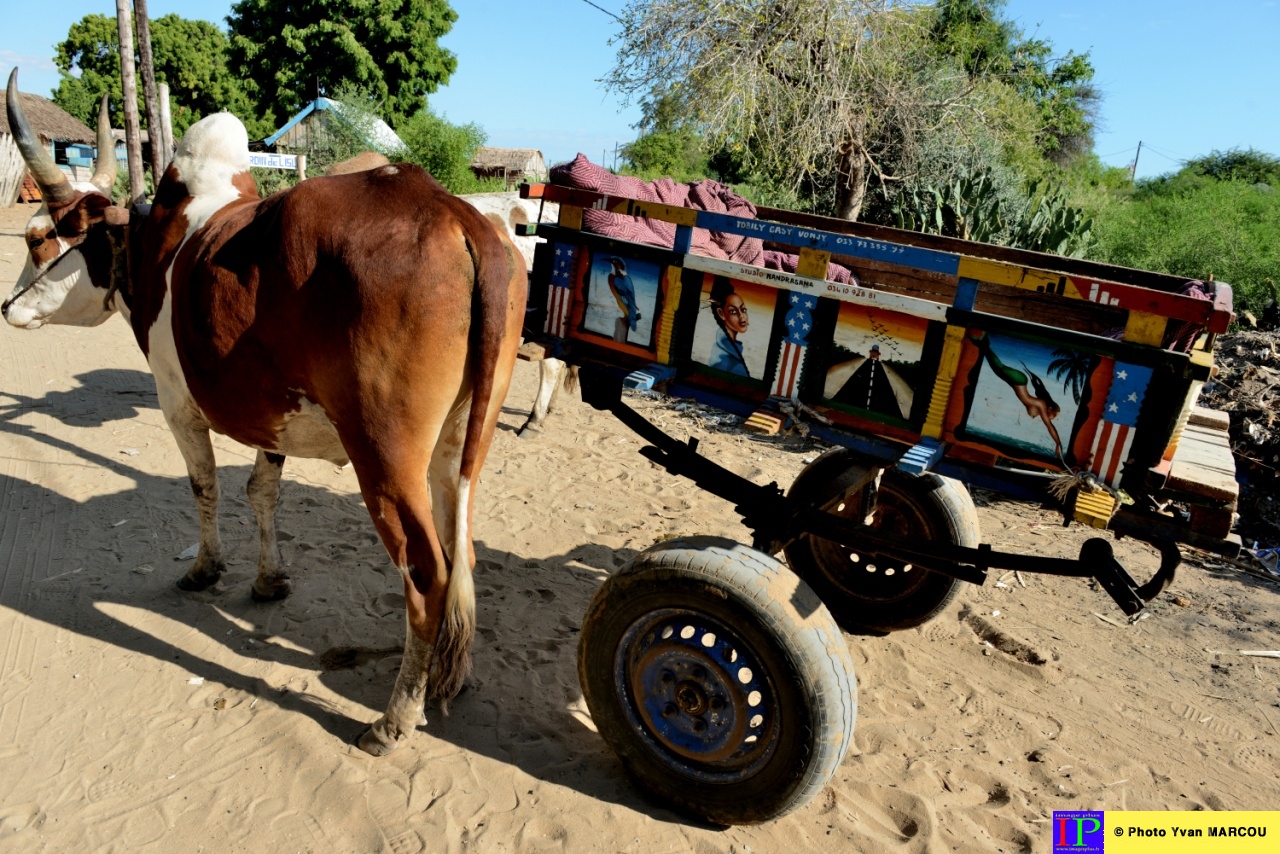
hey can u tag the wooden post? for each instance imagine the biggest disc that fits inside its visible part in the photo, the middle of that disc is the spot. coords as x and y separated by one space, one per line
302 167
148 70
166 126
132 132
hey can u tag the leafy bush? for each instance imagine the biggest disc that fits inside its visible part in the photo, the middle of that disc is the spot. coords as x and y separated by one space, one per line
446 151
1193 226
679 154
1247 165
972 207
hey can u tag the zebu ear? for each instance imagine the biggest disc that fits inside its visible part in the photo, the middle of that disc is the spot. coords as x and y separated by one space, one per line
116 216
89 209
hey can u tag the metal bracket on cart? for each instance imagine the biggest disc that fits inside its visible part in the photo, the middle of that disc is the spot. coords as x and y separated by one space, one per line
777 519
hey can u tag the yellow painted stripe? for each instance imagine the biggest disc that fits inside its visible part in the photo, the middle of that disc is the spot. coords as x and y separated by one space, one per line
1144 328
666 213
1094 509
668 315
571 217
942 386
764 421
813 263
1013 276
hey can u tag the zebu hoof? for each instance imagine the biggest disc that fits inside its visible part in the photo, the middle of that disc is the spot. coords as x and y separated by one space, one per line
194 582
271 591
376 741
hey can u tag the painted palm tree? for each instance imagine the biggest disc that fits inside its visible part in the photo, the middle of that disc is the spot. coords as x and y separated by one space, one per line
1073 369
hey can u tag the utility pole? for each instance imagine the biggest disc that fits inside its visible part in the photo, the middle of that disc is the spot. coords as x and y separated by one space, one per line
155 132
132 132
1133 173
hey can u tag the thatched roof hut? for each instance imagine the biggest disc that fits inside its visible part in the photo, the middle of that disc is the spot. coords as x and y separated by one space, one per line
512 164
56 128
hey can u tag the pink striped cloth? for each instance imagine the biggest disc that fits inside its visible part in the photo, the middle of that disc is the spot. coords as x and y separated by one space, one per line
708 195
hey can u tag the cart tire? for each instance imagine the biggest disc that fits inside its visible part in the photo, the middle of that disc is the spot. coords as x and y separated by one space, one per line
865 597
719 679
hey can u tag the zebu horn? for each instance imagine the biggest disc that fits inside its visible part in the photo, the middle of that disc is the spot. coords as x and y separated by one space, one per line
54 186
104 175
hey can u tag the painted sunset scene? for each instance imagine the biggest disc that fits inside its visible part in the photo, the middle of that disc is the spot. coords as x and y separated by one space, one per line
877 353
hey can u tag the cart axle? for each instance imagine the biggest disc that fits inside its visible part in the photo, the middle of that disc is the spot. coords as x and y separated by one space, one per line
777 519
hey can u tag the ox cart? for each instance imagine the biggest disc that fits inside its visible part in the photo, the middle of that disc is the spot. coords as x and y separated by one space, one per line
716 672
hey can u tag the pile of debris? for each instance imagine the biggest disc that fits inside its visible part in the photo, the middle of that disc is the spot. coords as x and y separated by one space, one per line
1248 389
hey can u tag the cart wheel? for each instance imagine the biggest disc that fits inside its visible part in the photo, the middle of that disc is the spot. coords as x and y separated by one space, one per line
719 679
875 594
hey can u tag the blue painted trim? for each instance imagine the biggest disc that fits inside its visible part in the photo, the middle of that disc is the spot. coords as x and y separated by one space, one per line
317 104
638 380
922 457
644 378
946 263
966 295
684 238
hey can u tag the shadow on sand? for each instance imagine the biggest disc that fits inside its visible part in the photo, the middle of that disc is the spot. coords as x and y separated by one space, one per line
64 567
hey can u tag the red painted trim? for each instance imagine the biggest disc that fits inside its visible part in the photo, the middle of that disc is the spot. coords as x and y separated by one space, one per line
1223 309
1134 298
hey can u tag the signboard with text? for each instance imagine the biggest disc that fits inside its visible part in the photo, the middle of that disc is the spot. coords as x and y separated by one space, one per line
265 160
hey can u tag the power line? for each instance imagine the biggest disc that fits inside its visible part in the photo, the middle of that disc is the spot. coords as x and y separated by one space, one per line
1166 152
1167 157
602 9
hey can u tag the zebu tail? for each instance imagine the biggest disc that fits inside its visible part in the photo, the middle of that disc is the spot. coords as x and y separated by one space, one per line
491 306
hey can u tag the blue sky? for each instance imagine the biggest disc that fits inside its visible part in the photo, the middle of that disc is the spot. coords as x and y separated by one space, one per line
1183 77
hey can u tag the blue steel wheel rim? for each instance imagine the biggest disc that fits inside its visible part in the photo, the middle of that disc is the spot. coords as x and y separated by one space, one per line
697 695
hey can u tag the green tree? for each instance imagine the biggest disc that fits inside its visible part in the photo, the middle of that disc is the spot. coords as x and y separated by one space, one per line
446 151
292 52
843 104
1060 89
824 96
1248 165
1196 227
191 56
1073 369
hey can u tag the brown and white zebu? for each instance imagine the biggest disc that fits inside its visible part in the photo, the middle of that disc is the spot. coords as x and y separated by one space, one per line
506 211
372 317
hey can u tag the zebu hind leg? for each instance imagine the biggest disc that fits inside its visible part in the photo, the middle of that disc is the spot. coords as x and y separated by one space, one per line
451 503
395 491
272 582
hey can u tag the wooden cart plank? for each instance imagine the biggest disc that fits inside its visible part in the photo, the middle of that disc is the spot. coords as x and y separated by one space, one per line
1203 466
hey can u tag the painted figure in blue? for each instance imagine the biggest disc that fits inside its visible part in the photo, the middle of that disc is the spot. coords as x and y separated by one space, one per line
730 313
624 292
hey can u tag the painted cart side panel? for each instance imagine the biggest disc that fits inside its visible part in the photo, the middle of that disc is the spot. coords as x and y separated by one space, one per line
842 240
890 364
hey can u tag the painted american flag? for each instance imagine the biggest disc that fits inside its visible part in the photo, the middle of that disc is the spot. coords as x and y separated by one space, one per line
799 321
1119 417
558 292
